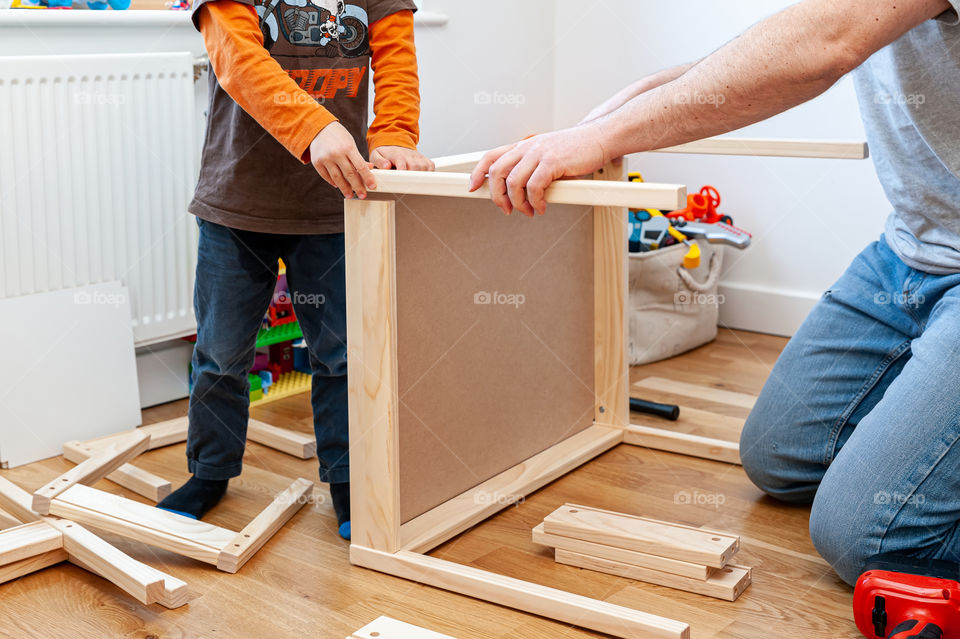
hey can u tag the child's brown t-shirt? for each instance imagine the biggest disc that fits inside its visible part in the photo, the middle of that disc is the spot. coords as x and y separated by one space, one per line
256 177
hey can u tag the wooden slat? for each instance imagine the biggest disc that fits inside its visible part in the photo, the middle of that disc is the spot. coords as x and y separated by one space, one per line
140 522
168 433
464 511
585 192
131 477
725 583
694 445
282 439
140 581
387 628
644 560
695 421
612 375
7 520
264 526
31 564
93 469
165 433
675 541
707 393
174 431
783 148
372 372
17 501
461 163
28 540
765 147
522 595
175 592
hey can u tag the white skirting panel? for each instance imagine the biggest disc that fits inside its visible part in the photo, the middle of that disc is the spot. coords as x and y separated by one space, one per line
97 166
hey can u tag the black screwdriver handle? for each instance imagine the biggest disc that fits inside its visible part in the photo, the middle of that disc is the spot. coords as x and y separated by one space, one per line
666 411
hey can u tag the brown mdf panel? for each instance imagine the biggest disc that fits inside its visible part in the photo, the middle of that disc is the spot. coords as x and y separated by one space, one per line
495 340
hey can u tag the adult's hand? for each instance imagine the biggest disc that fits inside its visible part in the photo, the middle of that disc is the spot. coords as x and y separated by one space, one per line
520 173
336 158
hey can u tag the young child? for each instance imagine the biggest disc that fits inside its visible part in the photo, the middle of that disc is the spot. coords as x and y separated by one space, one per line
287 115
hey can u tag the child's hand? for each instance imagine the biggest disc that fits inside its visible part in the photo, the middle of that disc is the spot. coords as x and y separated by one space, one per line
400 158
334 155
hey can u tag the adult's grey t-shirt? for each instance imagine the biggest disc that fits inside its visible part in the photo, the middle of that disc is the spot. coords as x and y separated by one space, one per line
909 95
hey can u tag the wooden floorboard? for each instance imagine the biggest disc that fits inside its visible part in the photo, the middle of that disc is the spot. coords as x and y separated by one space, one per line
302 585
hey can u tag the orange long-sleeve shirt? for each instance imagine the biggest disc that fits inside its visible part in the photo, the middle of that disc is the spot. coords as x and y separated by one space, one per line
282 71
257 82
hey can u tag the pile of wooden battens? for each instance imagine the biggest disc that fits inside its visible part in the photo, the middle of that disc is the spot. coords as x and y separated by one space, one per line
666 554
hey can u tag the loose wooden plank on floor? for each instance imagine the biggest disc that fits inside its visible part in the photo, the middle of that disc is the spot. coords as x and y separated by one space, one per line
675 541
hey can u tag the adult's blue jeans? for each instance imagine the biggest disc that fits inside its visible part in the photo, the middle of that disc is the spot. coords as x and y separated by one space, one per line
861 416
236 277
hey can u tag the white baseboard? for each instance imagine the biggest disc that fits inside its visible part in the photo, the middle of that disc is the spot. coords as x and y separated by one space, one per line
764 310
163 372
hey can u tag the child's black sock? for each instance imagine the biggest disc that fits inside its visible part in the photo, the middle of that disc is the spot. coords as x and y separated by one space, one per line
340 494
196 497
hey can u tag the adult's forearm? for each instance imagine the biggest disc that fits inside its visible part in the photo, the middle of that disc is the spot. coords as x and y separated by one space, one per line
781 62
631 91
655 80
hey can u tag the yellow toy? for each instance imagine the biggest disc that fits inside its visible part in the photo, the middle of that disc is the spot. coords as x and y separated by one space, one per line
692 259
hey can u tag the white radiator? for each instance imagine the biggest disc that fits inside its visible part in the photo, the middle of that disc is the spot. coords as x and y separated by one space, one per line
97 166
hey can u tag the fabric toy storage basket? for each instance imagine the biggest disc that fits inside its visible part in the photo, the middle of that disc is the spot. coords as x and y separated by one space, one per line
672 309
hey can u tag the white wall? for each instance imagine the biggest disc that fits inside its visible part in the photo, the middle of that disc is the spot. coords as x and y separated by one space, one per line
499 50
809 217
501 70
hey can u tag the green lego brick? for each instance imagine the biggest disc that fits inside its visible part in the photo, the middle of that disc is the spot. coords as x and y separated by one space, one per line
255 382
277 334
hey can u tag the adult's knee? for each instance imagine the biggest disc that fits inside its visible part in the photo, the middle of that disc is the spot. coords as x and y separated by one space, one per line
762 454
844 528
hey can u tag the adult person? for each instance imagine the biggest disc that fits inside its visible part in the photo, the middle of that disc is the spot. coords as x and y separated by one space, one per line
861 414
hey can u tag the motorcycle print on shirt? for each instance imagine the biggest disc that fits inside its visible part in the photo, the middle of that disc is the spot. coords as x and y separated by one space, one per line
311 28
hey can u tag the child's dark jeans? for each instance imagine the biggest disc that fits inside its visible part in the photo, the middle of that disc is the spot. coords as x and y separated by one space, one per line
236 276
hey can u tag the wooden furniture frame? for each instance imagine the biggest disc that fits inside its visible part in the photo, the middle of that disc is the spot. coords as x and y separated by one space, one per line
383 542
92 469
381 539
228 550
51 531
43 541
174 431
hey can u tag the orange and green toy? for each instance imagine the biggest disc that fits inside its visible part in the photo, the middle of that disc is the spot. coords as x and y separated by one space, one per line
702 207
